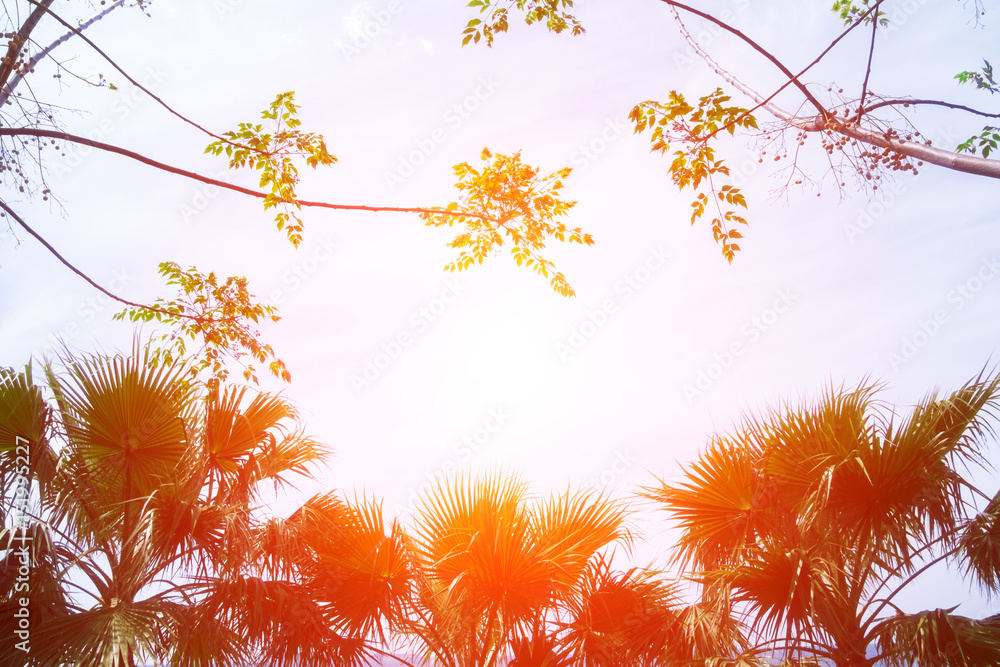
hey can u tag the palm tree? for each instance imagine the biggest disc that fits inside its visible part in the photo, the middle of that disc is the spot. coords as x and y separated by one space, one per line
813 520
638 617
501 577
147 543
326 586
492 566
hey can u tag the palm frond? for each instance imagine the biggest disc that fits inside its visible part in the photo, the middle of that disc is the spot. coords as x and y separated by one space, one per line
125 422
357 567
25 421
570 529
718 506
281 623
939 638
244 446
805 514
620 617
118 634
980 546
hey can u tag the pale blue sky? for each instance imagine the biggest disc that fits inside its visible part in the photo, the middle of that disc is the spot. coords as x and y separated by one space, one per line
826 290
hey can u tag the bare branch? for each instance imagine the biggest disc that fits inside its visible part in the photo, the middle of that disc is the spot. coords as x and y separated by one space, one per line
943 158
793 78
754 95
950 105
62 136
18 41
868 69
7 90
826 121
125 74
80 273
742 87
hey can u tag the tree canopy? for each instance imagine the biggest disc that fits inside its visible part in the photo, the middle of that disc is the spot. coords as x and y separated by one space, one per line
865 137
143 477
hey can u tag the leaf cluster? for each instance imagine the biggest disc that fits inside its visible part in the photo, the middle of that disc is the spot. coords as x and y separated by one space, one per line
272 152
677 121
850 12
983 79
552 13
987 142
222 316
508 201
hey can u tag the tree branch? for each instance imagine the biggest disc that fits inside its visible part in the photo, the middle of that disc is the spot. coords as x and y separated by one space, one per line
121 71
968 164
20 39
761 101
825 121
868 69
940 103
793 78
7 90
63 136
83 275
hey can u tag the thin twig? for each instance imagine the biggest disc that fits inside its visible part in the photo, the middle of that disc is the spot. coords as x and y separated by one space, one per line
940 103
917 151
793 78
868 69
754 95
125 74
48 246
9 88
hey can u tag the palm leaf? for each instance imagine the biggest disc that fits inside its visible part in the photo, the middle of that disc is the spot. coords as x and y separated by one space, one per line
570 529
939 638
980 546
620 617
718 506
357 566
243 446
125 422
24 422
491 564
281 623
203 641
117 634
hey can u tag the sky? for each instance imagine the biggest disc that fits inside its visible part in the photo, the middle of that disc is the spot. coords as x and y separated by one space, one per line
410 373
